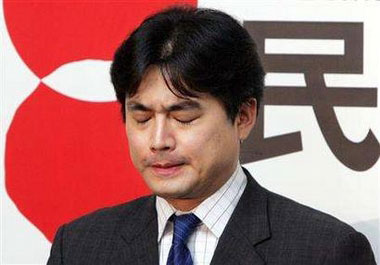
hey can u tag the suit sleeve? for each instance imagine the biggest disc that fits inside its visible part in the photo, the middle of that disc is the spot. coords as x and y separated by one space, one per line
56 252
352 249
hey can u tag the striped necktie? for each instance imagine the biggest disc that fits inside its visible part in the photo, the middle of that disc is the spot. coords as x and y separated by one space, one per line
184 225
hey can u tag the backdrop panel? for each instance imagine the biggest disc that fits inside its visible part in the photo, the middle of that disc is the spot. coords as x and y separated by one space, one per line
64 152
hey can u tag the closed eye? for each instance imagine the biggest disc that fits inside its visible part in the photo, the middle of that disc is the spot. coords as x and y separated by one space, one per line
181 121
185 122
142 121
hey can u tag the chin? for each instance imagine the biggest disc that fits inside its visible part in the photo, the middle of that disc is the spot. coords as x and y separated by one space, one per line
171 192
175 186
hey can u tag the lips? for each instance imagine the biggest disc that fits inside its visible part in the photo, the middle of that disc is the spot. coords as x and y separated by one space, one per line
166 165
167 169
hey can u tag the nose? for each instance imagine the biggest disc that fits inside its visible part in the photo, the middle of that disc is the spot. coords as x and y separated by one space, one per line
162 136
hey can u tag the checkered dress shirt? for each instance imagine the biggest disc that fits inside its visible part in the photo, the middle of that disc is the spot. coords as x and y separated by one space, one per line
214 212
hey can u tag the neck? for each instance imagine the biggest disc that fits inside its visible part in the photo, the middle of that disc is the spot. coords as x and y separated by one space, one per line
185 205
188 204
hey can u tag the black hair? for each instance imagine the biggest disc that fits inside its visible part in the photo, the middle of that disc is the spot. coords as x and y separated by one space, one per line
198 50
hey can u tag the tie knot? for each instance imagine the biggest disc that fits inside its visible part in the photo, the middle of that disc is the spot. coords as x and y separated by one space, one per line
184 225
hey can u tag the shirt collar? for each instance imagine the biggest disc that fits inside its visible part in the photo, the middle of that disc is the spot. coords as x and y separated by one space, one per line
215 211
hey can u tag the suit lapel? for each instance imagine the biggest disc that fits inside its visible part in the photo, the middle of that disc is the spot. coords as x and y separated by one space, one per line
139 236
247 227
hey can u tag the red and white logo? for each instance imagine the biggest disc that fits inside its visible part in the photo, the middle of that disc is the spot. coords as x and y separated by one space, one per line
66 149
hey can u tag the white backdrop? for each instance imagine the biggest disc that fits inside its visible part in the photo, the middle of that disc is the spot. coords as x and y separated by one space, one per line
312 176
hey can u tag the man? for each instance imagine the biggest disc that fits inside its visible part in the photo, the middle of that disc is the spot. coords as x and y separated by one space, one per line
190 82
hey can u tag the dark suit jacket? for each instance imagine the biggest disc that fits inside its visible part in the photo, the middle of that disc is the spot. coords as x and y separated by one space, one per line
265 228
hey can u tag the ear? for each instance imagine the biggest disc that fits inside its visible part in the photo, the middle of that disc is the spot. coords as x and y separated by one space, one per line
246 118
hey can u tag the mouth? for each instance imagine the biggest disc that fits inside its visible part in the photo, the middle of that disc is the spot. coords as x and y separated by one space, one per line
167 169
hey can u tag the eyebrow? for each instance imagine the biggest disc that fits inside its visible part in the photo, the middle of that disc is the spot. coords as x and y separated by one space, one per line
183 105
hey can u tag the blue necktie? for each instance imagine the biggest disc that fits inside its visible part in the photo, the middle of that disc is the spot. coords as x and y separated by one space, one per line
184 225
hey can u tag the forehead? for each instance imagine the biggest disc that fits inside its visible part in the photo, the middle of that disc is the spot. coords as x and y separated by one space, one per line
154 90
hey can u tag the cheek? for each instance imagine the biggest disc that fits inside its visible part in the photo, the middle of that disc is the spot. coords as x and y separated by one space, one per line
220 147
203 146
136 145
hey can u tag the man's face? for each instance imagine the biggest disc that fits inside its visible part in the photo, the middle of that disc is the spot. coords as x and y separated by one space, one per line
184 148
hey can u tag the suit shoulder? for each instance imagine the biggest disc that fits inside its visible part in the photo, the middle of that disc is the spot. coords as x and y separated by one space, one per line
91 236
287 211
299 232
111 215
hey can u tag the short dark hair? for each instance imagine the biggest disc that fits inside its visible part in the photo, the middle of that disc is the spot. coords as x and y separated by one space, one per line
198 50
